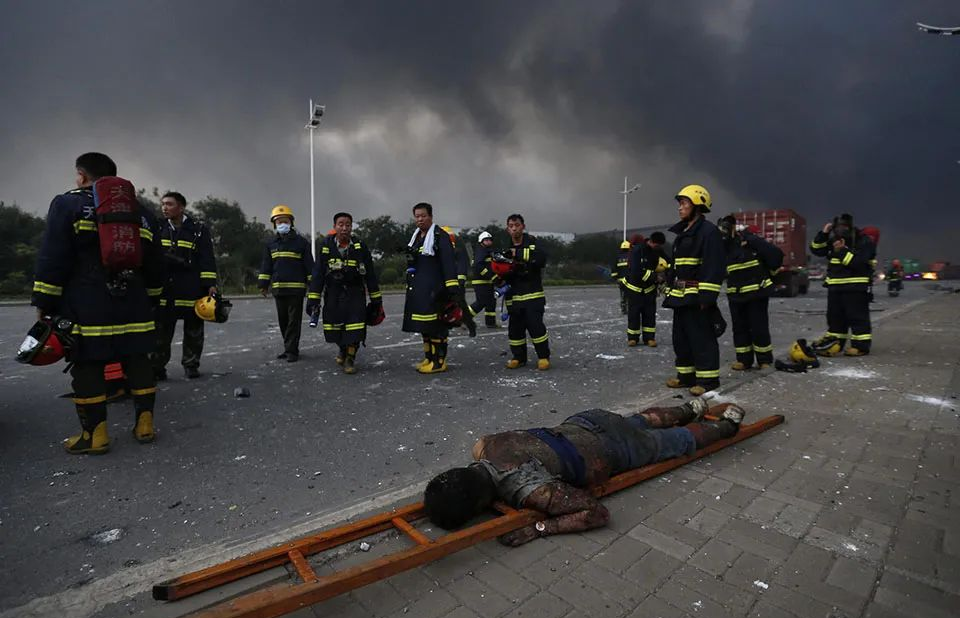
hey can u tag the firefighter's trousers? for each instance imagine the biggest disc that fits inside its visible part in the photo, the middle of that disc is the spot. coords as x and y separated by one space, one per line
527 319
90 388
290 318
641 317
751 331
848 317
485 302
696 348
166 324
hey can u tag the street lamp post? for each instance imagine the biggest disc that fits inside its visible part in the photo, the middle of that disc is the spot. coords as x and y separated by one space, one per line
625 193
316 113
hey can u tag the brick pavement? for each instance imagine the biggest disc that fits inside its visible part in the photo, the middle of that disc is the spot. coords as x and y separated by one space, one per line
849 509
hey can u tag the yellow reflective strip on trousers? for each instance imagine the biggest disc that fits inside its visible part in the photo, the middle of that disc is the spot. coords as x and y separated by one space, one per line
423 317
89 400
847 280
531 296
685 370
649 329
47 288
313 295
712 373
763 348
634 331
710 287
154 291
742 349
518 341
143 391
288 284
355 326
263 277
207 274
741 265
866 337
540 339
687 261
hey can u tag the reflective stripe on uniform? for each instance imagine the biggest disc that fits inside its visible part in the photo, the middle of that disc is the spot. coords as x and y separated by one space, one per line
154 291
649 329
847 280
687 261
186 244
423 317
480 282
540 339
84 226
89 400
206 274
681 293
817 245
762 348
634 331
685 370
838 335
47 288
523 297
710 373
847 258
285 254
263 277
288 285
376 295
741 265
451 283
517 341
742 349
865 337
108 330
143 391
709 287
355 326
145 233
313 295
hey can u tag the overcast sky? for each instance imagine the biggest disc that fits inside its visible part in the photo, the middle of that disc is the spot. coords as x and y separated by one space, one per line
487 108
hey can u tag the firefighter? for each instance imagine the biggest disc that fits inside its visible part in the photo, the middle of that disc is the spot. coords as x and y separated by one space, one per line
191 274
462 262
751 262
483 281
641 291
285 270
693 287
849 275
110 322
343 277
525 299
432 286
618 272
656 260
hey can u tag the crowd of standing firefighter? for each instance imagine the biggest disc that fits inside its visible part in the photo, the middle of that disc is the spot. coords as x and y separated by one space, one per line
112 282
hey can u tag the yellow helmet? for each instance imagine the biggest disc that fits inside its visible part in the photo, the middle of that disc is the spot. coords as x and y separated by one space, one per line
280 210
205 308
625 244
696 194
662 265
800 351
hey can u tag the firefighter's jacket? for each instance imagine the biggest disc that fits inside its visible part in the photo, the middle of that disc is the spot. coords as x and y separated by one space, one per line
482 275
638 278
698 267
190 264
751 264
526 278
343 281
851 268
462 261
71 282
431 282
621 266
287 265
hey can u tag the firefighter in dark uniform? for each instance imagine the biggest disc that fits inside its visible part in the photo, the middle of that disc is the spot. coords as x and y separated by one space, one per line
191 274
431 285
618 272
285 271
849 276
483 281
751 262
343 277
657 261
109 324
525 300
693 286
462 262
641 286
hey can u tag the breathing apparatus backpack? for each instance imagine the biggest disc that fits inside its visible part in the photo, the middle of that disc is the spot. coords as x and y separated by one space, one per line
118 224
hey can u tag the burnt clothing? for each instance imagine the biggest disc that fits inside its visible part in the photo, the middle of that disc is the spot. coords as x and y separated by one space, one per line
192 347
696 348
698 267
585 450
286 266
751 331
70 281
751 261
849 268
431 283
290 319
848 317
343 277
191 266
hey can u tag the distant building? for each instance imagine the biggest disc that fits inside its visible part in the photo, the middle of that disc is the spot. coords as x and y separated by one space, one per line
564 237
643 231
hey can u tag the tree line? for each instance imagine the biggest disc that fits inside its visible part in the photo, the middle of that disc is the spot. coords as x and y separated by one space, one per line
238 242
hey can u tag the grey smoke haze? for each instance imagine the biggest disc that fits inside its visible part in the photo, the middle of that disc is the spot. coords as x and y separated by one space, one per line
486 108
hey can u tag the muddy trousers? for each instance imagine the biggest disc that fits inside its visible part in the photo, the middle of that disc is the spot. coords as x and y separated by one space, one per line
848 317
192 339
695 347
290 318
485 302
90 388
641 317
525 320
751 331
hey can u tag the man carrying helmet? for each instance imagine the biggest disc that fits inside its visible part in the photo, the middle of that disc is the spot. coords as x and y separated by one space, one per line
849 277
84 309
525 299
191 275
343 276
640 284
697 272
655 259
433 291
462 262
619 271
483 281
285 270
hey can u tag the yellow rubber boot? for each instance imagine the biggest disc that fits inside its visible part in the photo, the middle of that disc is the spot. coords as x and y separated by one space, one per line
738 366
348 360
675 383
631 343
652 343
697 390
427 352
543 364
143 430
514 363
86 442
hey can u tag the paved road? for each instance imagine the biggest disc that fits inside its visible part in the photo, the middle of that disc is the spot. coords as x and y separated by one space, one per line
309 440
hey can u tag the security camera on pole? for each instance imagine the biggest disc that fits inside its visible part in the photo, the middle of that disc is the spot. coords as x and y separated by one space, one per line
625 193
316 113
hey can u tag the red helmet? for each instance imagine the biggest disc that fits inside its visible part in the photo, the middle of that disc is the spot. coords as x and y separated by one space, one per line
501 268
47 342
452 314
896 263
872 232
375 313
754 229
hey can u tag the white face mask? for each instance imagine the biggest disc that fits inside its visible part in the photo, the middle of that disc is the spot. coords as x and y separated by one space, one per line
283 228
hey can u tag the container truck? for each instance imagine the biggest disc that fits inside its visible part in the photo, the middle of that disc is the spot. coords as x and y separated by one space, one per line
787 230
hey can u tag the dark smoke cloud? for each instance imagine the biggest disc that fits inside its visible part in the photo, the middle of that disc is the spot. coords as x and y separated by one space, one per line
490 107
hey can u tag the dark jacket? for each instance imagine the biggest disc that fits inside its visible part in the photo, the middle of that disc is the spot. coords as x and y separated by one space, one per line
851 268
286 265
482 275
190 264
698 266
462 261
343 281
620 267
71 282
751 262
430 284
638 276
526 280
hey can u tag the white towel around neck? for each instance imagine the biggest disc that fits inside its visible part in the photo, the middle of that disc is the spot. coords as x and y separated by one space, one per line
427 241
